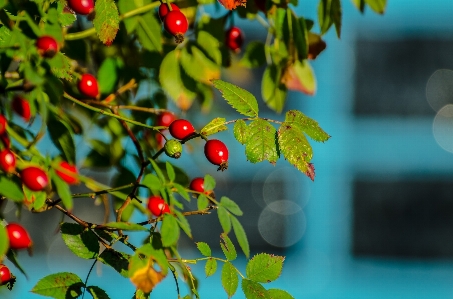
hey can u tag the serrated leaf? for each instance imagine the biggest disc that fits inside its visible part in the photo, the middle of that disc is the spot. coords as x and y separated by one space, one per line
241 131
106 20
261 144
210 45
273 92
198 66
63 190
224 219
377 5
152 182
230 206
229 278
228 247
240 236
81 242
182 191
4 242
170 171
169 230
308 125
264 267
254 55
254 290
117 260
107 75
126 226
62 136
240 99
149 33
65 71
97 292
294 146
11 188
279 294
62 285
300 77
209 182
183 223
204 248
202 202
211 267
214 126
65 18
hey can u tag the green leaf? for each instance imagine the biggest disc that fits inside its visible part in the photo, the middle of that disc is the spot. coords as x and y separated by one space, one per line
12 257
170 171
241 131
139 294
230 206
184 223
254 55
63 190
279 294
209 183
169 230
307 125
125 6
241 236
149 32
152 182
204 248
336 15
63 285
261 144
81 242
198 66
210 45
214 126
377 5
106 20
211 267
229 278
224 219
61 135
273 92
65 71
254 290
126 226
294 146
329 12
65 18
117 260
227 247
158 171
11 188
240 99
300 77
97 292
107 75
4 242
3 3
264 267
202 202
360 4
182 191
146 255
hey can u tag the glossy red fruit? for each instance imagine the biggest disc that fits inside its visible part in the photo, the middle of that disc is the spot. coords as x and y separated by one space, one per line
47 46
18 236
217 153
3 123
163 10
88 86
82 7
165 119
157 206
197 184
7 160
34 178
176 24
5 274
234 39
67 173
181 128
21 107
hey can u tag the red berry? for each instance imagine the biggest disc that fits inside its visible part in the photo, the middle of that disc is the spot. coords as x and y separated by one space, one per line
7 160
47 46
234 38
176 24
163 10
165 119
88 86
67 173
197 184
21 107
181 128
34 178
5 274
18 236
217 153
3 123
82 7
157 206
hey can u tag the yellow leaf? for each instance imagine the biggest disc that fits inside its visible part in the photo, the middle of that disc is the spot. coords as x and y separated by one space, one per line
146 278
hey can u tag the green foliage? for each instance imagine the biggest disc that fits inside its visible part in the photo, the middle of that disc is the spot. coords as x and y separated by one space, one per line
264 267
62 285
83 243
3 240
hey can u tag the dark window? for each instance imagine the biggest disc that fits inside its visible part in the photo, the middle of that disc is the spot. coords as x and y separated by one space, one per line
403 218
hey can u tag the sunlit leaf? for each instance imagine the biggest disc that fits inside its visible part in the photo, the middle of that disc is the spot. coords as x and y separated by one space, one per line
254 290
240 99
214 126
106 20
62 285
264 267
229 278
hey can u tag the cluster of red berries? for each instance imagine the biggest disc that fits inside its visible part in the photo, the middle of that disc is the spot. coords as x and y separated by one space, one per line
175 22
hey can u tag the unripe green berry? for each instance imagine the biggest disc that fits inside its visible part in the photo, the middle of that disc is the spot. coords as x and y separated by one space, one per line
173 148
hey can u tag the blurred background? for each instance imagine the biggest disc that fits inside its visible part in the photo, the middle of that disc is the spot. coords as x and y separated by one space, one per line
377 222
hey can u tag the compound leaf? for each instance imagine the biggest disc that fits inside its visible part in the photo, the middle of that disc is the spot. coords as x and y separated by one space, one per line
261 144
264 267
63 285
240 99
